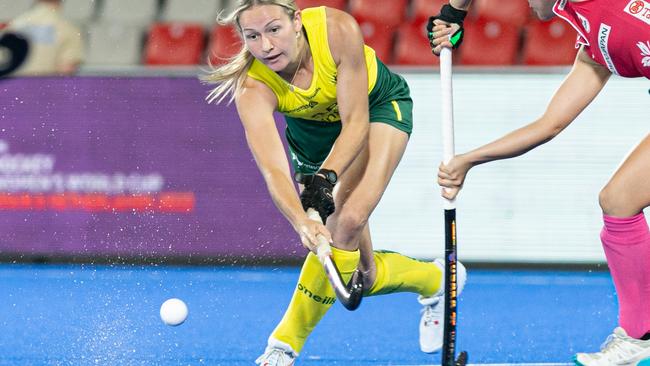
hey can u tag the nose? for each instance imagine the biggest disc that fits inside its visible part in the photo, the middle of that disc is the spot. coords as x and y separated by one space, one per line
267 46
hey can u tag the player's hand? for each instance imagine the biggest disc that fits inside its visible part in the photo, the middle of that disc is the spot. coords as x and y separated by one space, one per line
318 195
446 28
440 36
451 176
309 232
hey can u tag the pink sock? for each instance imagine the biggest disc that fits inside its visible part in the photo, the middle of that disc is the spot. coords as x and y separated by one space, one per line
627 247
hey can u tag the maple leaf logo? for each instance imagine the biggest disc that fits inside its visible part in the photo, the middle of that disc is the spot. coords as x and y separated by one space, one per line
645 52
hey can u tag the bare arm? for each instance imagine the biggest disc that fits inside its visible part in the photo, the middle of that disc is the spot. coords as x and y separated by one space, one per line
346 45
460 4
576 92
580 87
255 105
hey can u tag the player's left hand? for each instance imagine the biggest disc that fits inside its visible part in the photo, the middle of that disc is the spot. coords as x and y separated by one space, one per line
309 232
451 176
318 195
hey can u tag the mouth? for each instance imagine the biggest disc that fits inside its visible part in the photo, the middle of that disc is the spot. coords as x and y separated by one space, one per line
273 58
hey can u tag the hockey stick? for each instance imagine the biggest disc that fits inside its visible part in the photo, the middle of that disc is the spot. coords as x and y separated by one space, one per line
451 281
349 295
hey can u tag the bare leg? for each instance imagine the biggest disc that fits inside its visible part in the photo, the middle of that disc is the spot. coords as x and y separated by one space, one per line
626 238
362 187
627 193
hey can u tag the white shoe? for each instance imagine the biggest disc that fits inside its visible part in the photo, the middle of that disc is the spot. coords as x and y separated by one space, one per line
431 322
619 349
277 354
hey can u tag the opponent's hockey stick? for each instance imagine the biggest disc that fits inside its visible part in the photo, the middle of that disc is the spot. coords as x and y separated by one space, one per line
349 295
451 280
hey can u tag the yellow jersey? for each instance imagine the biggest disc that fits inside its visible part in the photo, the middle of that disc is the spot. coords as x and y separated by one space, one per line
318 102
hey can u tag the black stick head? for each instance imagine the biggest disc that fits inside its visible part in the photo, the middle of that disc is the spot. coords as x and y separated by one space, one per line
462 359
355 288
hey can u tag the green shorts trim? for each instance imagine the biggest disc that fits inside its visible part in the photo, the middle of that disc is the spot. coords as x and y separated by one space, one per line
311 141
390 100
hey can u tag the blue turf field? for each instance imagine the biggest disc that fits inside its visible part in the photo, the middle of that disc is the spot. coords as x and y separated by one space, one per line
105 315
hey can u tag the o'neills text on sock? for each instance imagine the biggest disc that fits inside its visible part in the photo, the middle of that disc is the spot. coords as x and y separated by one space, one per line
323 300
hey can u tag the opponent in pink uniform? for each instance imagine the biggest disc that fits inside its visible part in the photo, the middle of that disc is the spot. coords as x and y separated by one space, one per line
614 33
614 38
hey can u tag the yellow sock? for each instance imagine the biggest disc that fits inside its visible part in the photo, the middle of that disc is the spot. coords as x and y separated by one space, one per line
312 298
399 273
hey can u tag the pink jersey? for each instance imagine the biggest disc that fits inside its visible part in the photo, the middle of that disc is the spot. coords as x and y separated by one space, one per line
615 33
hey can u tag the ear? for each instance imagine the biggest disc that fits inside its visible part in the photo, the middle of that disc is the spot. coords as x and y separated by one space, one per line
297 21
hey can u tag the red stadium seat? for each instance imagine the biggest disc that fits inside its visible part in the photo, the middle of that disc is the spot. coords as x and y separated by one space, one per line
515 12
412 45
225 42
174 44
549 43
338 4
489 42
423 9
389 13
379 37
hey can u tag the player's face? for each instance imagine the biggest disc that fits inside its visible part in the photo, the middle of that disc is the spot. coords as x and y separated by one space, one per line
542 8
270 35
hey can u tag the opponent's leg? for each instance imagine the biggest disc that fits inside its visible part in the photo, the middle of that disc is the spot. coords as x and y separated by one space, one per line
626 241
626 238
618 349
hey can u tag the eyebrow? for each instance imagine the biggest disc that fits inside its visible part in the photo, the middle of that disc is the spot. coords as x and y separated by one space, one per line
265 26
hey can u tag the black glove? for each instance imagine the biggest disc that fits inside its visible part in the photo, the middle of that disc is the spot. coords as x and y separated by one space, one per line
317 195
449 14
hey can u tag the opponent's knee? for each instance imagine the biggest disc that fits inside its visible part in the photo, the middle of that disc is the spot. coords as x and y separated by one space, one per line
615 201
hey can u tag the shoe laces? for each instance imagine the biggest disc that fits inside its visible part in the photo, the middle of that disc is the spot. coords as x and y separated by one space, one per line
617 348
431 313
273 357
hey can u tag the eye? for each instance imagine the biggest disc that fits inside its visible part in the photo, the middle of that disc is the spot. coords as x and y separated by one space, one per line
251 36
275 29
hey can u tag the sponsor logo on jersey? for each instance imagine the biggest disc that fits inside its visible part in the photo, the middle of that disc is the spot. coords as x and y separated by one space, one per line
603 40
585 22
645 53
639 9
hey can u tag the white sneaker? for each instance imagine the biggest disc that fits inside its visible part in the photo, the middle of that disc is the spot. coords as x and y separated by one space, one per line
431 322
277 353
619 349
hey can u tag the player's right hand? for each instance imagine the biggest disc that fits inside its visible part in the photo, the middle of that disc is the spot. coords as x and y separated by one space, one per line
309 230
317 194
451 176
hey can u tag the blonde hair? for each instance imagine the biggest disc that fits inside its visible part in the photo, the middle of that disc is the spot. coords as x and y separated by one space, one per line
230 76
